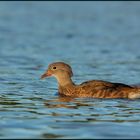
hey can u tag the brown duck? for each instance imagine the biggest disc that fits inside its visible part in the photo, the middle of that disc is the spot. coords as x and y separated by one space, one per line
94 88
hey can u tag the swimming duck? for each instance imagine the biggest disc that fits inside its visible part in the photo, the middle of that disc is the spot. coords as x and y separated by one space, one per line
94 88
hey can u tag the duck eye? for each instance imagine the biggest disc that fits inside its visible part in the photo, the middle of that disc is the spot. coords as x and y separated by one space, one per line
54 68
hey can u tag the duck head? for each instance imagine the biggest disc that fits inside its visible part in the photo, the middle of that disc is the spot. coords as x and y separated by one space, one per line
61 71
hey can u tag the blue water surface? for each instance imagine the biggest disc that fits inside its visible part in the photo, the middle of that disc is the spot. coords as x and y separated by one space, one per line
100 40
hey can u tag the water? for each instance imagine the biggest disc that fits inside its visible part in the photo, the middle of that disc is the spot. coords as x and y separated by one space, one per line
100 40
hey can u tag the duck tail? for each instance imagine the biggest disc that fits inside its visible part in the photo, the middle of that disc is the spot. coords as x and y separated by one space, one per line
134 94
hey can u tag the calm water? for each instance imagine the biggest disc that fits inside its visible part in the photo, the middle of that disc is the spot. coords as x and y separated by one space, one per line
100 40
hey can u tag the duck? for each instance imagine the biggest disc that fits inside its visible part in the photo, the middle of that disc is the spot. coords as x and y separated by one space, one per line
89 89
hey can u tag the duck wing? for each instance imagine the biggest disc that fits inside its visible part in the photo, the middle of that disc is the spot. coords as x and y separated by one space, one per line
104 89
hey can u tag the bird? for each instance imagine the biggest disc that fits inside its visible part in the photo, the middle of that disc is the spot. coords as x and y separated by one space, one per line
89 89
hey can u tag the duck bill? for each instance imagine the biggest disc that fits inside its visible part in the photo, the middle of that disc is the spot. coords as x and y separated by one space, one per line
45 75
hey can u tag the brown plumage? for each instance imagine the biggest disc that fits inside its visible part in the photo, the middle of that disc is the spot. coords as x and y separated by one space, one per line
94 88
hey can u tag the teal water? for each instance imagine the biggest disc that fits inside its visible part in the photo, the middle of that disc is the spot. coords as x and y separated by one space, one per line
100 40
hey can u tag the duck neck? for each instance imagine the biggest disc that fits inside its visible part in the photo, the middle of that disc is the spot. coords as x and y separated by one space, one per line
65 86
64 81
